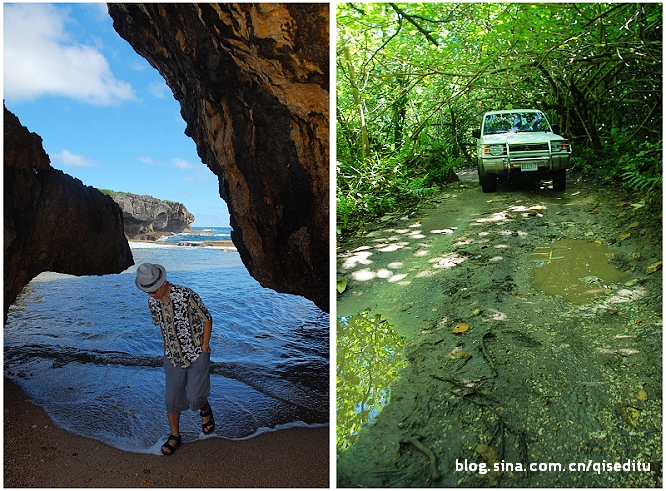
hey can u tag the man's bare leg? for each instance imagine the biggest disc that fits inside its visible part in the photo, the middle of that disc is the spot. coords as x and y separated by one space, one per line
174 423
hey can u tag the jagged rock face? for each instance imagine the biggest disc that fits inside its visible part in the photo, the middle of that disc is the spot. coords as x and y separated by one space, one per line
147 216
52 222
253 84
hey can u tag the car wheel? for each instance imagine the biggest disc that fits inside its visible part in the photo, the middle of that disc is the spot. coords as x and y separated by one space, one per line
488 181
560 180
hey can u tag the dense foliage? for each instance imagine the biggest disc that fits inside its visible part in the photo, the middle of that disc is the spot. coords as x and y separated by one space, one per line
414 79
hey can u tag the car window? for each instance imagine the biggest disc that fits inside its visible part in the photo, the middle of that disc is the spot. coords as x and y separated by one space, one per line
515 122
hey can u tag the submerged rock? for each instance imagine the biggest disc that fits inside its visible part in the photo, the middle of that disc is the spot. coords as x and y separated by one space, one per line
52 222
253 85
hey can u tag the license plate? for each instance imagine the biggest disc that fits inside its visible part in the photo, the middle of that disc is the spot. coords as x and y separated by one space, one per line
528 167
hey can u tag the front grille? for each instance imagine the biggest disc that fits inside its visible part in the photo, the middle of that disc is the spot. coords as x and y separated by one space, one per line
528 147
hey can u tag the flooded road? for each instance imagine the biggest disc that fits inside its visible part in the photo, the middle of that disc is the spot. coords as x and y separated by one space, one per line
532 351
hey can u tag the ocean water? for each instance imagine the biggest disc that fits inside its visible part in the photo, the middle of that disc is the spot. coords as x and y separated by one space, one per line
197 235
85 349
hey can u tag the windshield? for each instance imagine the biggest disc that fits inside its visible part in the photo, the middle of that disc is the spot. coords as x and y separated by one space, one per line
515 122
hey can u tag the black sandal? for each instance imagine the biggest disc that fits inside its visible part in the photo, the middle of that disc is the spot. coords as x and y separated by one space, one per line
171 448
210 424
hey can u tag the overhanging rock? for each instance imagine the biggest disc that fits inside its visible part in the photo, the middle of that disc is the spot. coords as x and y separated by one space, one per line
253 85
52 222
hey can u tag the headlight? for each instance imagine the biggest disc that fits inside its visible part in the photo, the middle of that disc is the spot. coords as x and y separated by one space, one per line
559 146
493 149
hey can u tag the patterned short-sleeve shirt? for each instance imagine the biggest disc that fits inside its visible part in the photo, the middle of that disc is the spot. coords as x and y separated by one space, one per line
181 321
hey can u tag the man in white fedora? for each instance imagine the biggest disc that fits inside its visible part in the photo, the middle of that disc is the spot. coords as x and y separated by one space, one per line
186 327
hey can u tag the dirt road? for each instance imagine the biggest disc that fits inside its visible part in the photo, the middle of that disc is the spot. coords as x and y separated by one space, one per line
531 383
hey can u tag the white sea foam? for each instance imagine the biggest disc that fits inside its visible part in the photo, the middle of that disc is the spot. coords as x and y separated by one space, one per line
150 245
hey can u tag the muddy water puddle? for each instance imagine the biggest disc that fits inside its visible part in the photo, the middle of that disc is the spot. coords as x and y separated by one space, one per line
576 270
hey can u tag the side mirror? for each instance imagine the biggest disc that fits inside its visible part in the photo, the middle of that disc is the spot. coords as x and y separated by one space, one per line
556 128
476 133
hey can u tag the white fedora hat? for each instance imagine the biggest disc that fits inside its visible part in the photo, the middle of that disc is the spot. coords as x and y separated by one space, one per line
149 277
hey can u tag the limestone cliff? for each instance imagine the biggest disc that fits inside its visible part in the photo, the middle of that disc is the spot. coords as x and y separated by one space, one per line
52 222
149 218
253 85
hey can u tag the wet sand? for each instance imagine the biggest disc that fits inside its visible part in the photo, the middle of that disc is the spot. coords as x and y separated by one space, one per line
39 454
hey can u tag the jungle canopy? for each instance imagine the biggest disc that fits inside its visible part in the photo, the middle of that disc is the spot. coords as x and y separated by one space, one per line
413 81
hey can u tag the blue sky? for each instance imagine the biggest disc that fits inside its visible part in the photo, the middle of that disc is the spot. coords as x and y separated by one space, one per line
105 115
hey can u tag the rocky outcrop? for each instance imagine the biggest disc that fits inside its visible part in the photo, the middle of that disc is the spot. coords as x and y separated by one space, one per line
149 218
52 222
253 85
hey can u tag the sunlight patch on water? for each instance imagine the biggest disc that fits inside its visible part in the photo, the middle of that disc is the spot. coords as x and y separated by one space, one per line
495 315
357 258
393 247
627 295
528 211
364 274
397 277
495 217
448 261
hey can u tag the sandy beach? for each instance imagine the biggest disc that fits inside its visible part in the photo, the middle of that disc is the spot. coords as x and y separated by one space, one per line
39 454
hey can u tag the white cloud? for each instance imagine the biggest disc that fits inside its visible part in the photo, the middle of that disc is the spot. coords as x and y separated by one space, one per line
201 172
147 160
40 58
205 174
69 159
159 89
183 164
138 66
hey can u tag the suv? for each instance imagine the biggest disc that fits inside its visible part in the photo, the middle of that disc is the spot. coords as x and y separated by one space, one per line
520 142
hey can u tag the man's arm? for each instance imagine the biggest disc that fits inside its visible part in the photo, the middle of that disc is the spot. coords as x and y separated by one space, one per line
207 330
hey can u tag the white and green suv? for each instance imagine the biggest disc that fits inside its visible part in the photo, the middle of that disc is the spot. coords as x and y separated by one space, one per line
520 142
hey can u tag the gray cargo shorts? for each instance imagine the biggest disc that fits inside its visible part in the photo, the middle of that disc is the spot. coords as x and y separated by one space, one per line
187 387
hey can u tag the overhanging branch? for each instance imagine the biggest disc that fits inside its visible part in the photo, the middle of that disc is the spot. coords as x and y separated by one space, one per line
412 20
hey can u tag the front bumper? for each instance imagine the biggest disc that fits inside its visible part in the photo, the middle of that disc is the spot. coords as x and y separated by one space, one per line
538 163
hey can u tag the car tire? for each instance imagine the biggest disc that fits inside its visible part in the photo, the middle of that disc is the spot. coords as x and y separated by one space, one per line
488 181
560 180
